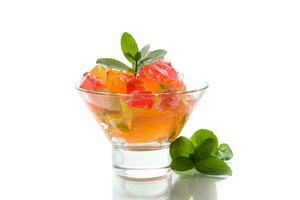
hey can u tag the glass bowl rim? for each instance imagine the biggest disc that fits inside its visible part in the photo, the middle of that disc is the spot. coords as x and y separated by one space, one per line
201 89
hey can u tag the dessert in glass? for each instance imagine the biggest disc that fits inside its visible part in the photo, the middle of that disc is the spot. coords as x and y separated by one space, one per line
141 111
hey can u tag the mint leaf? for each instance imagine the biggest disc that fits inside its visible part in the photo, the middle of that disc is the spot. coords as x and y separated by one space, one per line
201 135
128 55
113 64
129 46
224 152
153 56
181 147
182 164
138 56
213 166
145 50
203 150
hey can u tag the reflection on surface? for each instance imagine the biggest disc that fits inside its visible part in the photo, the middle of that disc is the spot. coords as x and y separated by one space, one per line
193 185
125 189
185 187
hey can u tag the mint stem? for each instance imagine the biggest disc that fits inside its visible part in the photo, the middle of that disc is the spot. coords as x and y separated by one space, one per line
134 66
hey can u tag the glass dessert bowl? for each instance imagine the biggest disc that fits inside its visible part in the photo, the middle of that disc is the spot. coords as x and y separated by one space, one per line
140 137
141 108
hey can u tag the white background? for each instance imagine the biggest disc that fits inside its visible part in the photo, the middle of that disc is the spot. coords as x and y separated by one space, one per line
249 52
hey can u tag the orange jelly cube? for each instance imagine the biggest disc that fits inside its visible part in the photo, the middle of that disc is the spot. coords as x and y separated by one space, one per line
99 72
115 80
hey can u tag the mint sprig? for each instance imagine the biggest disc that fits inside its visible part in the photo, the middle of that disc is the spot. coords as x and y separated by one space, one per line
224 152
145 50
153 56
182 163
202 152
213 166
129 47
201 135
113 64
137 58
182 146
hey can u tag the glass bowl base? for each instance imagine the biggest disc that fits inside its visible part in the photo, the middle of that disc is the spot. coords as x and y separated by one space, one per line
141 161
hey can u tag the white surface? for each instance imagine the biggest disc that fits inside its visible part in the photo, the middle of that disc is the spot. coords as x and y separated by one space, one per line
51 148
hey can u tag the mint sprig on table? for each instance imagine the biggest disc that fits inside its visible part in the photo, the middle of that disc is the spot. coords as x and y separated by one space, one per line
201 152
137 58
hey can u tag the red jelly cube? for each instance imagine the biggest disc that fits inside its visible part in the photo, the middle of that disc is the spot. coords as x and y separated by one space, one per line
133 85
141 100
160 76
89 82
